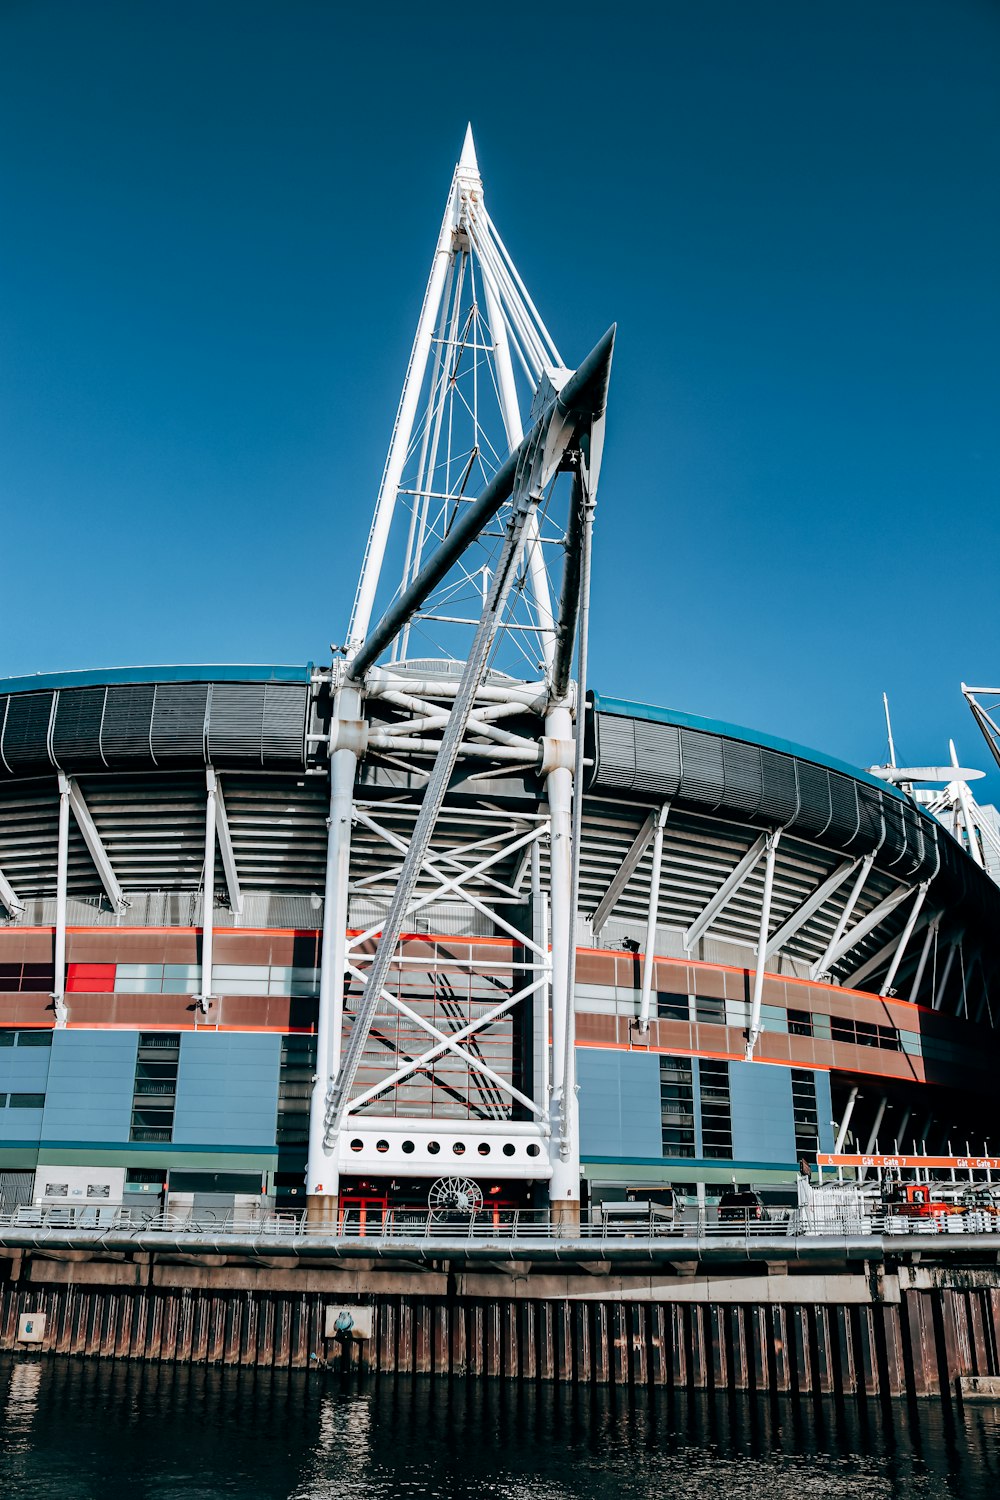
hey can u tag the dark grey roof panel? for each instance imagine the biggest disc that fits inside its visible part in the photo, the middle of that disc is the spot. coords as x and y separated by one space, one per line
76 729
779 797
140 726
283 737
128 715
25 747
702 774
740 778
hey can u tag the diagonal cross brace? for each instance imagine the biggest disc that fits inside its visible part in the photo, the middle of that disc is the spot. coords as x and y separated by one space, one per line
455 883
533 473
451 1044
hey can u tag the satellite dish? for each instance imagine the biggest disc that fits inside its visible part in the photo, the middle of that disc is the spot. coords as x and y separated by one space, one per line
900 774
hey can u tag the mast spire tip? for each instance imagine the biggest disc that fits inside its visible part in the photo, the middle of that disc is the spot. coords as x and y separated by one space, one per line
468 158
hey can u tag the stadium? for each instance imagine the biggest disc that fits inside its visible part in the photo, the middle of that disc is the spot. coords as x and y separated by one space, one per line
451 920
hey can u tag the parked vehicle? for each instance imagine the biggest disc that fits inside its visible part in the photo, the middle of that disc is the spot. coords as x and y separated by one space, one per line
915 1200
741 1206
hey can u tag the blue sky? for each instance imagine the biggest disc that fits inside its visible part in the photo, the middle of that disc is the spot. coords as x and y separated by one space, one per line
216 224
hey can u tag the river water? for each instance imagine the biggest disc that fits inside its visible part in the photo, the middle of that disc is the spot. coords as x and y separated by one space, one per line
77 1430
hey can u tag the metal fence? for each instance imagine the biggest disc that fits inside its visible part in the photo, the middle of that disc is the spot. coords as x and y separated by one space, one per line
516 1224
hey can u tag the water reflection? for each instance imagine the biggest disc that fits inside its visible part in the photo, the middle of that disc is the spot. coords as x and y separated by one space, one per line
85 1429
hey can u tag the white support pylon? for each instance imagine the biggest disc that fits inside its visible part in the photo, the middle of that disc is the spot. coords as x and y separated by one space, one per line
433 723
474 306
347 739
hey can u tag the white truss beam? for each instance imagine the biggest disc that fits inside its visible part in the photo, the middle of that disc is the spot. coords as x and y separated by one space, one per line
623 874
733 882
845 1121
208 891
62 877
904 938
945 975
888 951
95 847
227 852
925 953
822 965
9 898
810 906
753 1031
867 924
649 954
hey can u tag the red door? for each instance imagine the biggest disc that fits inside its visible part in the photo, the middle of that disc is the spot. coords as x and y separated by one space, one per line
359 1215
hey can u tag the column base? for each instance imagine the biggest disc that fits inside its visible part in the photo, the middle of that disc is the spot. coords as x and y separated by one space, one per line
322 1211
564 1216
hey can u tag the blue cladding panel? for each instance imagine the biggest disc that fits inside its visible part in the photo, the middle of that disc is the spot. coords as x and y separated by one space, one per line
23 1070
619 1103
227 1089
19 1125
91 1082
761 1098
824 1111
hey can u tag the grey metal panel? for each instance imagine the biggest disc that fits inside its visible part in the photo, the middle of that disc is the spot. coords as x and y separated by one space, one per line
869 818
915 860
177 735
286 708
657 759
76 732
815 809
26 732
844 815
779 800
702 778
236 723
128 716
893 851
743 776
615 740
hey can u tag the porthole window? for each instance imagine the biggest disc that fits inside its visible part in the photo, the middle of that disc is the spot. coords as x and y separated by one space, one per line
459 1148
433 1147
483 1149
382 1146
533 1150
508 1150
357 1144
408 1147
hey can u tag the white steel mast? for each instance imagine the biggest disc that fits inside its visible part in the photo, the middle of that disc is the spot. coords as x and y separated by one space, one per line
475 484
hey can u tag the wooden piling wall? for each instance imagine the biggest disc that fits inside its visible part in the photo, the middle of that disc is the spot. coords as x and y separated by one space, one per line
917 1346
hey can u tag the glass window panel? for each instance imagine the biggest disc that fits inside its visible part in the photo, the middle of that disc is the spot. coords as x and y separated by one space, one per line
673 1007
40 1038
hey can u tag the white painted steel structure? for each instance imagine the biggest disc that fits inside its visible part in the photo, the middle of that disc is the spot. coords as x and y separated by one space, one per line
474 567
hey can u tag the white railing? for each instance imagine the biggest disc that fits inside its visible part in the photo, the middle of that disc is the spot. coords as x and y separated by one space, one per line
508 1224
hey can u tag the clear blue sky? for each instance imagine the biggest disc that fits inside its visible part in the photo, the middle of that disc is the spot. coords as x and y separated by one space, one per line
215 226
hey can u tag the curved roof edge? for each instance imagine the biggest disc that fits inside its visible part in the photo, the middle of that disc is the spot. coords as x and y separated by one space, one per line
192 672
626 709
